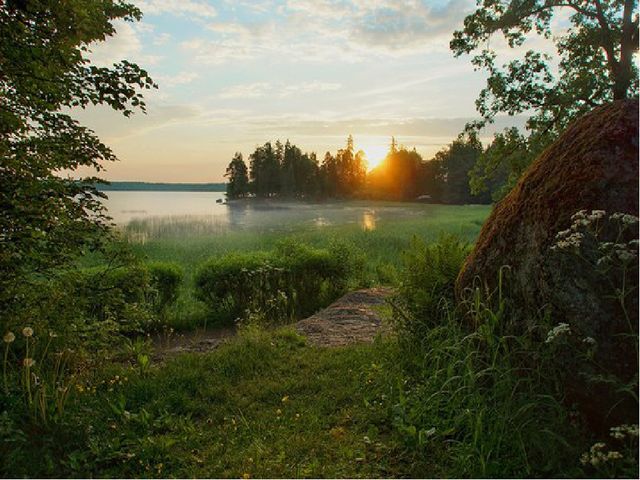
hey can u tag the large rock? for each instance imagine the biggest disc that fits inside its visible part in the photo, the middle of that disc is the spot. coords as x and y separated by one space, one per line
592 166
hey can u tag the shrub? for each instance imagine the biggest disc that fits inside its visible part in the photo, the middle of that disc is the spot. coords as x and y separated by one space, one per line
166 279
117 295
293 281
428 278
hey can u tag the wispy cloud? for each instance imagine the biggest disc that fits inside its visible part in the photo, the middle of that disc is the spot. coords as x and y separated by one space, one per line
263 89
125 45
178 7
181 78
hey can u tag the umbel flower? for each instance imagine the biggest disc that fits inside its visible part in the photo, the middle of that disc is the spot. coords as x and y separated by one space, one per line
28 362
27 332
9 337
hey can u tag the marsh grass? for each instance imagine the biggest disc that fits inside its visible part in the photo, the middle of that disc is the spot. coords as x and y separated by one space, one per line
185 241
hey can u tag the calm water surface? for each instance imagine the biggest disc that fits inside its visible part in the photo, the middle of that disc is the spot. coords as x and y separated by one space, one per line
145 215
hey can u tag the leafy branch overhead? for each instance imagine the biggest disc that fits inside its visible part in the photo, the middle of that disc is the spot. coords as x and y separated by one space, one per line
594 65
44 72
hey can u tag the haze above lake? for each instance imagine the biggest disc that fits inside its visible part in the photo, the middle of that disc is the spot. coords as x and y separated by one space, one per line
151 214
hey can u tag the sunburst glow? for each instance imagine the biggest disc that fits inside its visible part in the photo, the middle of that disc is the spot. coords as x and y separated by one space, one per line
375 154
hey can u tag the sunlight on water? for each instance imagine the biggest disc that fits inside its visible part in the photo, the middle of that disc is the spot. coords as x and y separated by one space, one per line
368 221
145 216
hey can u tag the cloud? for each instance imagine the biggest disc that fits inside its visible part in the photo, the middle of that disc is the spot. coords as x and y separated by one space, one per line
331 30
263 89
124 45
181 78
198 8
397 26
162 39
112 127
441 128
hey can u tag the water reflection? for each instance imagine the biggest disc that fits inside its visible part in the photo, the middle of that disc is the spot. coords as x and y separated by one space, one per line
146 216
321 222
368 221
238 214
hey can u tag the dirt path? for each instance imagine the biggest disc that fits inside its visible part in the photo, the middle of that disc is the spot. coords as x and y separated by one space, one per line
199 341
353 318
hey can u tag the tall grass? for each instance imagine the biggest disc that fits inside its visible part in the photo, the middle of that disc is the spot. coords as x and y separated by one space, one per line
186 242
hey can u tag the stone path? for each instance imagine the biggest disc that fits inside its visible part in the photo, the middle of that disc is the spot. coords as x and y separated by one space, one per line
199 341
353 318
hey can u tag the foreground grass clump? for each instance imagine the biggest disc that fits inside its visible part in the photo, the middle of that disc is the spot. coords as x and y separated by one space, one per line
265 405
485 397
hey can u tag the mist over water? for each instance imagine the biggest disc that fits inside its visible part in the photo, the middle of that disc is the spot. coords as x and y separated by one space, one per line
147 215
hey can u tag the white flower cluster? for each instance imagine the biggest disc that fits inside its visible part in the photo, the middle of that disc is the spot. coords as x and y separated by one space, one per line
624 252
624 218
623 431
558 330
597 455
586 223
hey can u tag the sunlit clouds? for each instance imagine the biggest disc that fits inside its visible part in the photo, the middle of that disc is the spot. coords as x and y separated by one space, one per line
234 74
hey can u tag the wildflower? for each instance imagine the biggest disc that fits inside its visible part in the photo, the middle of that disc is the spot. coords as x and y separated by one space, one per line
278 412
28 362
625 255
589 341
53 334
596 214
623 431
597 455
285 399
557 331
9 337
27 332
613 455
581 214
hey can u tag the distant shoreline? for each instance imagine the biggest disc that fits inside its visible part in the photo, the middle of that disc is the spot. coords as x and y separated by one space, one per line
160 187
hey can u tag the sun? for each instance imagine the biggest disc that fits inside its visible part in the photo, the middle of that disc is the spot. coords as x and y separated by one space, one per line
375 154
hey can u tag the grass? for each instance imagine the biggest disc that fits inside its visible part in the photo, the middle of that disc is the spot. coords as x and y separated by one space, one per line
264 405
382 230
436 399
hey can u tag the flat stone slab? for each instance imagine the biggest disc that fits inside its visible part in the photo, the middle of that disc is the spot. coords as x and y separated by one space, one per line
353 318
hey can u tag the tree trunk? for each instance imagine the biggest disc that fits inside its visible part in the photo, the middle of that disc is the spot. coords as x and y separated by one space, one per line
628 45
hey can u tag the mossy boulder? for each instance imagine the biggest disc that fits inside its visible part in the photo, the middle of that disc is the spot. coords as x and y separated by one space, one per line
592 169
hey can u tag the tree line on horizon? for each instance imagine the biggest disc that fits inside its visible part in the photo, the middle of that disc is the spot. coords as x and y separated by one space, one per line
284 171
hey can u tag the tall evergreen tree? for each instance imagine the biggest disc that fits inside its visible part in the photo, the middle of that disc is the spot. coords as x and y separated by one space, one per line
238 183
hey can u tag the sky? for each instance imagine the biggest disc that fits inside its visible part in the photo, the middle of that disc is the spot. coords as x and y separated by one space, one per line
234 74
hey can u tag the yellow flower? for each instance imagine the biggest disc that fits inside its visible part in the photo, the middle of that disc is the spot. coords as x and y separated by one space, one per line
278 412
28 362
285 399
27 331
246 475
9 337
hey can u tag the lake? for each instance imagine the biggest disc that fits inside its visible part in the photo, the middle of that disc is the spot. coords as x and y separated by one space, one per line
143 215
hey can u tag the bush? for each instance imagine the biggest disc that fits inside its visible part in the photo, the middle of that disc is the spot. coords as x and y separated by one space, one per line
118 295
293 281
166 279
428 278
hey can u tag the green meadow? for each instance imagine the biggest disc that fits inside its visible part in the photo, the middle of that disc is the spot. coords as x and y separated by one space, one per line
381 231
